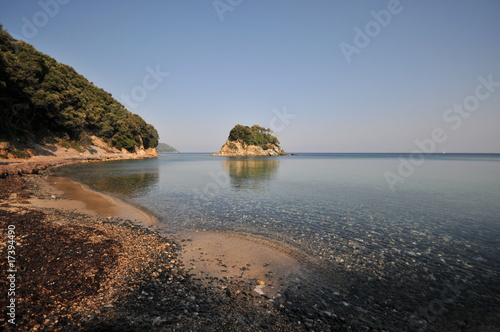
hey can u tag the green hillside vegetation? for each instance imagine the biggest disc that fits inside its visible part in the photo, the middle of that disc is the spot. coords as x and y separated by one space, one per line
255 135
41 99
165 148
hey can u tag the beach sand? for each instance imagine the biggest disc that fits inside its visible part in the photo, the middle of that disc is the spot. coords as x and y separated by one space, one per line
208 256
221 256
82 266
62 193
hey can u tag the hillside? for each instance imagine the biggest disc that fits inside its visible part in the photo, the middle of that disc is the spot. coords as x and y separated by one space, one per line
165 148
46 102
244 141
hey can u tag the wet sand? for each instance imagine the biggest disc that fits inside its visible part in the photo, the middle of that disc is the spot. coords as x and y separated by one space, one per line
81 272
66 194
225 280
210 257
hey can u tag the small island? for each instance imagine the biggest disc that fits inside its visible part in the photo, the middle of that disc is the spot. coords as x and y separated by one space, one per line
255 141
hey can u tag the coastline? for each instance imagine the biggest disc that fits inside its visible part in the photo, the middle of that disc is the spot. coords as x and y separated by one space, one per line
85 271
66 194
50 156
208 256
214 257
243 289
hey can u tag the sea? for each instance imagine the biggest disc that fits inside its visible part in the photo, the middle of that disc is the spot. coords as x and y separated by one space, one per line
401 236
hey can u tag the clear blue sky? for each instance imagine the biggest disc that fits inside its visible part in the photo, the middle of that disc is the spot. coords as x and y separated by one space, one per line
247 60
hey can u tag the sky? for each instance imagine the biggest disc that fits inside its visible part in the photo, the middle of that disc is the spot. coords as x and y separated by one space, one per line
325 75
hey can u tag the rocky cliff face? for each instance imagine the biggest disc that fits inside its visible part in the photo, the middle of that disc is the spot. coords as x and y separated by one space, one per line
40 157
241 149
99 149
138 152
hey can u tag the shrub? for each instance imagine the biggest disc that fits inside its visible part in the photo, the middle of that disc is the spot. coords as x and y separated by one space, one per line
256 135
19 153
125 143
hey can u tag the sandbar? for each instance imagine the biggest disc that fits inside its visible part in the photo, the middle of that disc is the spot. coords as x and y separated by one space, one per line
213 257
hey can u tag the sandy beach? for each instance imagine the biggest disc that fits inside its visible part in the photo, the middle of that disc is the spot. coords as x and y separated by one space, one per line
88 261
92 262
66 194
215 257
208 256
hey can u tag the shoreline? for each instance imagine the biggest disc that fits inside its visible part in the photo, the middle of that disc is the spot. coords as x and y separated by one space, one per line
67 194
211 257
51 156
106 273
240 289
208 256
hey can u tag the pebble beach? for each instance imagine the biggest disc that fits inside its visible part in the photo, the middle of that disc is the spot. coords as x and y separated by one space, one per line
89 261
81 271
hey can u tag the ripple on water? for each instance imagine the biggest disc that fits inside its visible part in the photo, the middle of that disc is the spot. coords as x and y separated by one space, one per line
434 242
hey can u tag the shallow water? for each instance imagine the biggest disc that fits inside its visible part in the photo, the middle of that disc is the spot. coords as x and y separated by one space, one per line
434 239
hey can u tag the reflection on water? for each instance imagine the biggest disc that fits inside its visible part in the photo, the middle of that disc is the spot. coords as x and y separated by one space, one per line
250 173
127 185
395 254
127 179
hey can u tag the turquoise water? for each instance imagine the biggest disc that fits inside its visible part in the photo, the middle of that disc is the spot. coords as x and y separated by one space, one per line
438 225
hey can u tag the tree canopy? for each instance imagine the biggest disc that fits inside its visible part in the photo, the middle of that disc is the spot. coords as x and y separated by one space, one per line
41 98
255 135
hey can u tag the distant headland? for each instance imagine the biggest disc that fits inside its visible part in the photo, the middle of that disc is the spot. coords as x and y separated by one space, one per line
255 141
165 148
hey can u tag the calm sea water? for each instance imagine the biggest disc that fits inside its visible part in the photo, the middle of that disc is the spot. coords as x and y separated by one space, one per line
438 226
453 194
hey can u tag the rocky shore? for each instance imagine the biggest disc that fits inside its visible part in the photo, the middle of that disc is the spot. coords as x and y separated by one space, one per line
47 156
79 272
241 149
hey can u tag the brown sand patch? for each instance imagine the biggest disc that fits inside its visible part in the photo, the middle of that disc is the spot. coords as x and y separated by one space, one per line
209 256
221 256
81 272
82 199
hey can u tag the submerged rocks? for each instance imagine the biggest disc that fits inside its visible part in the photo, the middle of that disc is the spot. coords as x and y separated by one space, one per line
91 273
